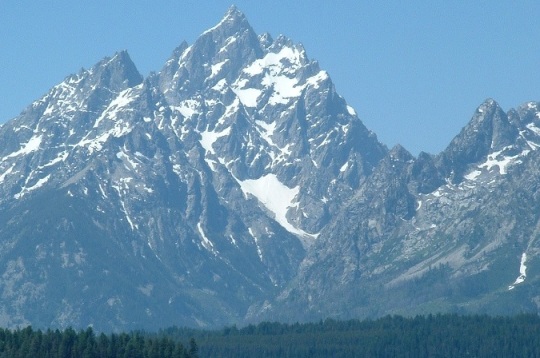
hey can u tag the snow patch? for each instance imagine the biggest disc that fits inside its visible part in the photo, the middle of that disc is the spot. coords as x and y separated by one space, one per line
128 218
315 81
248 96
6 173
276 61
124 157
217 67
208 138
37 185
221 86
60 158
276 197
284 87
102 191
473 175
268 131
96 144
206 243
279 74
124 99
495 159
259 251
533 128
522 272
31 146
187 108
211 163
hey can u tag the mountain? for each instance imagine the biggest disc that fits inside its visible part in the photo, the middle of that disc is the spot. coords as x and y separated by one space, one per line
236 185
455 232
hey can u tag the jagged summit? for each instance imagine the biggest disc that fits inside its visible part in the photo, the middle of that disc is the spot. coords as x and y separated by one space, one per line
118 72
233 21
489 131
398 152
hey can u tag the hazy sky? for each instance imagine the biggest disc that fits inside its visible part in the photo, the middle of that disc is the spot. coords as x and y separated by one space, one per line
415 71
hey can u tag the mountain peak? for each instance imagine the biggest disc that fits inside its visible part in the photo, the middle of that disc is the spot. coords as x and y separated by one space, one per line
220 51
233 21
489 130
117 72
398 152
488 105
119 57
233 11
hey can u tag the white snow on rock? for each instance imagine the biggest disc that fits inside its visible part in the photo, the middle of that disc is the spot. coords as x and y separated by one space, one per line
259 251
275 62
206 243
37 185
279 71
187 108
267 131
31 146
216 69
123 100
60 158
276 197
6 173
522 272
315 81
533 128
501 162
220 86
126 158
473 175
248 96
208 138
284 87
96 144
498 160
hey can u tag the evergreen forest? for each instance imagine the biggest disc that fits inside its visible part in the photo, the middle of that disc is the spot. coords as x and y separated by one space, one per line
443 335
27 342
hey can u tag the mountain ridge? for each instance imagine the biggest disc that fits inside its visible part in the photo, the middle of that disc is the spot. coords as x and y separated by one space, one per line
237 185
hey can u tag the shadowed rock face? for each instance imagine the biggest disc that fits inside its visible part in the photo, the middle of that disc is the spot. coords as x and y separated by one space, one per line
236 185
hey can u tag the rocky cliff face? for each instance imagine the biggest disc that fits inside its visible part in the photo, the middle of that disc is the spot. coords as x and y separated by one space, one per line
237 185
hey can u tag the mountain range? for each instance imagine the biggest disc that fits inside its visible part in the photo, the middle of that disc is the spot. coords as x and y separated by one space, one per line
236 185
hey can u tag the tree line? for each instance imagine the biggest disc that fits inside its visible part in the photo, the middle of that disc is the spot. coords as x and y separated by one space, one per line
27 342
445 335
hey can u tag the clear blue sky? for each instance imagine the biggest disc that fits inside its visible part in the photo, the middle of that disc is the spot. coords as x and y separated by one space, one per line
415 71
